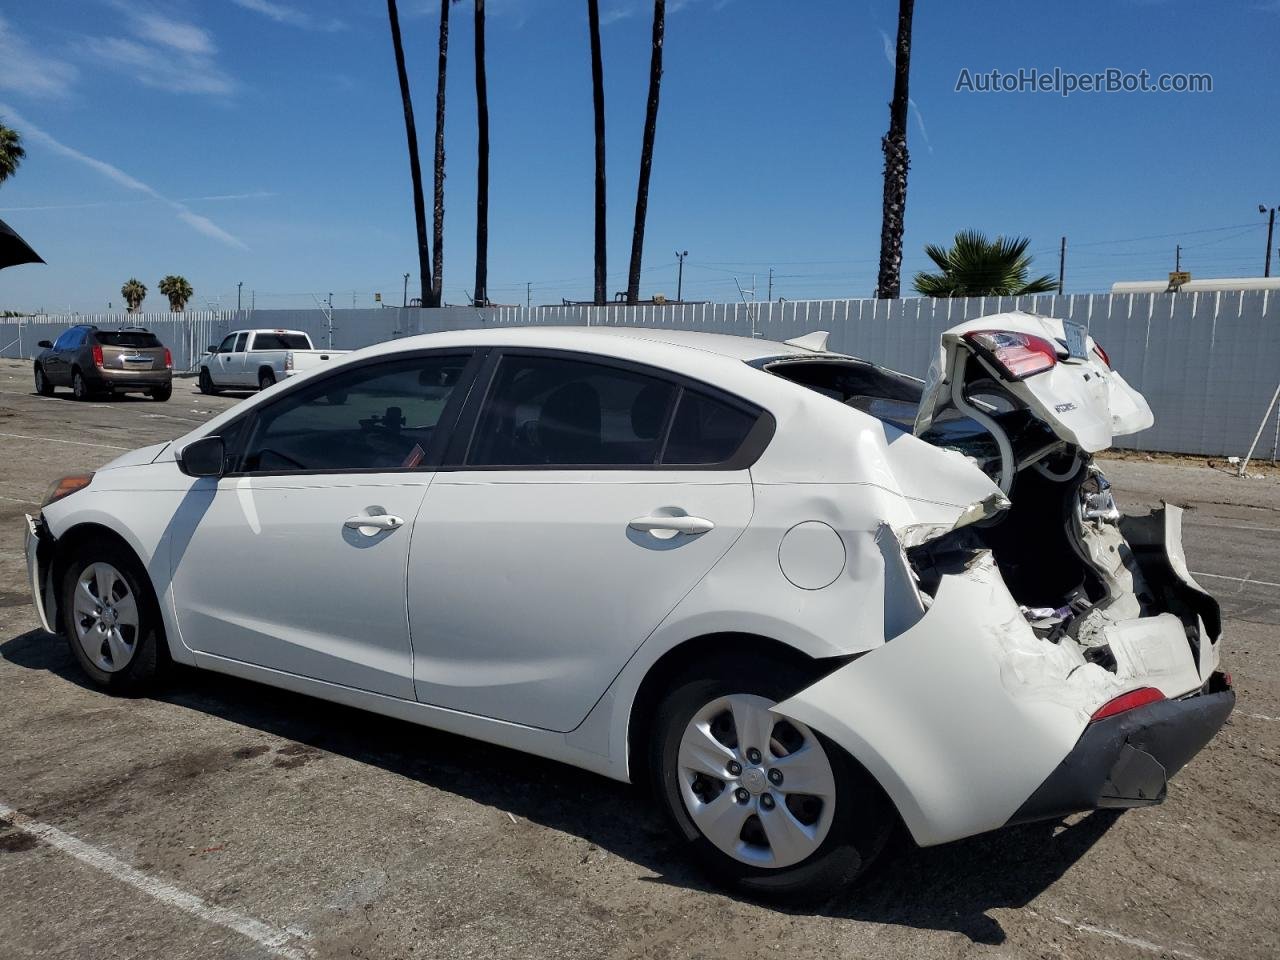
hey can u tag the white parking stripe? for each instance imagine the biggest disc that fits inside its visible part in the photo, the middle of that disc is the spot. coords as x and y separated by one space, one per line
274 940
33 503
1137 942
74 443
1220 576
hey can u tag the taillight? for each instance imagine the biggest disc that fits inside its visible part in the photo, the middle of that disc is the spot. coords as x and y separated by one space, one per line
168 358
97 355
1128 701
288 360
1019 355
1102 355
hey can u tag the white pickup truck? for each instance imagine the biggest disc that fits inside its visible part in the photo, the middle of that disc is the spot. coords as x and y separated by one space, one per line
248 359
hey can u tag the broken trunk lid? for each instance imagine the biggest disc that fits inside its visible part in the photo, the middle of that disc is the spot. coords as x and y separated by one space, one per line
1082 399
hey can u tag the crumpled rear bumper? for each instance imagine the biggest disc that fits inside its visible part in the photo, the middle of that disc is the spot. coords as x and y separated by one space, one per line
1127 760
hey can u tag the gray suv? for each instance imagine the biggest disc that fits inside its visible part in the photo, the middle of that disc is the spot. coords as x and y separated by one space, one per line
93 361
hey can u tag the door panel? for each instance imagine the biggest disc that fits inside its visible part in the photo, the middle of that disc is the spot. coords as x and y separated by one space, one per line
265 570
529 589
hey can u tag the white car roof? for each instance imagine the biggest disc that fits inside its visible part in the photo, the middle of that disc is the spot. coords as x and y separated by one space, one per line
614 340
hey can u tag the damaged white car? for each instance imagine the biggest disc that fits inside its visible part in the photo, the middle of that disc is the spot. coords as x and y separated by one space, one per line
803 597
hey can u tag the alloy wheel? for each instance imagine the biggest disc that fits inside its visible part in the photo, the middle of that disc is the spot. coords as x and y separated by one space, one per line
758 786
105 617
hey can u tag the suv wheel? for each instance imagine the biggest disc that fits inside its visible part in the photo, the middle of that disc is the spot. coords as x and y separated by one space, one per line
43 386
766 804
79 386
206 382
111 621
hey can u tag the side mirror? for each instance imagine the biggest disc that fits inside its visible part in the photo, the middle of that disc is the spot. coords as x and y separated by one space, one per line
203 458
46 344
213 348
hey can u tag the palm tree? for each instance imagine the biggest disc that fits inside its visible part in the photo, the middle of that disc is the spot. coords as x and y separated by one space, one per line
896 163
178 290
11 152
415 168
480 295
597 97
978 267
646 151
437 232
134 292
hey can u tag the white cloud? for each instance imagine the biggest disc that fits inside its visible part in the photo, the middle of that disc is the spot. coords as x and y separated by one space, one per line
25 71
201 224
186 37
164 69
291 16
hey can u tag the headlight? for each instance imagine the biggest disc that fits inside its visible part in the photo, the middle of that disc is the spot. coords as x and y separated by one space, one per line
65 487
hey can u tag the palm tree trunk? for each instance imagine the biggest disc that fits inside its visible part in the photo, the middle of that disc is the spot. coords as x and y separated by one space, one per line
415 168
597 97
896 163
646 151
437 232
481 293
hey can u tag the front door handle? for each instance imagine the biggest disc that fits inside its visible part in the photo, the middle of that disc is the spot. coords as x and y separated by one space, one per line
372 526
690 525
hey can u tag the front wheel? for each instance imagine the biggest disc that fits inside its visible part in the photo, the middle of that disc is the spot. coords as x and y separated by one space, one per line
80 386
111 621
767 804
43 386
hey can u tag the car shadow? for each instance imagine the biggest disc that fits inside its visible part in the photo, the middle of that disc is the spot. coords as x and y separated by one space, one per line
948 888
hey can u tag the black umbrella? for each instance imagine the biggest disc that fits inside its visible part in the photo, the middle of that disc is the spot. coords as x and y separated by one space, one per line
14 250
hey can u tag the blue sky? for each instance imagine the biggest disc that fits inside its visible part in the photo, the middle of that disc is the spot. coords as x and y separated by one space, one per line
262 141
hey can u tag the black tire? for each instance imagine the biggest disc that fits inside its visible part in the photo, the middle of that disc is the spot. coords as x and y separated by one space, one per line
266 378
79 386
206 382
161 393
150 654
862 819
43 386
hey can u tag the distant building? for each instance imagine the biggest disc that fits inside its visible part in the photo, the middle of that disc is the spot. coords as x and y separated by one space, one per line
1176 284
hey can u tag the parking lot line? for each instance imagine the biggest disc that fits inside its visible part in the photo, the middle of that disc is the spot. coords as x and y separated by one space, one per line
274 940
74 443
1222 576
1137 942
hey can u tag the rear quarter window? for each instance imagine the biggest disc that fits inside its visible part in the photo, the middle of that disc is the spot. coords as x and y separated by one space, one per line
706 430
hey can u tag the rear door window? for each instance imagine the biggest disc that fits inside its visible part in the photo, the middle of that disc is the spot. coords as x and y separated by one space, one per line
706 430
550 411
240 342
377 417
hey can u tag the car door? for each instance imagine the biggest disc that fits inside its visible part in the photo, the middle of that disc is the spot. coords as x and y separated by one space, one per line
589 499
237 362
57 366
296 559
219 360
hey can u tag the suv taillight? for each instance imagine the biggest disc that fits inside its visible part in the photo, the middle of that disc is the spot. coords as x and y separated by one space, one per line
168 358
97 355
1019 355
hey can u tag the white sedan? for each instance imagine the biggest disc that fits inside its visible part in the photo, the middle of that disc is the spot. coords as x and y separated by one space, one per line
803 597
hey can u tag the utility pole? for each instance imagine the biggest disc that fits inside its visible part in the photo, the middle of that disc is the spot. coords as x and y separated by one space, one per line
1062 264
1177 258
770 296
330 343
680 275
1271 230
240 283
528 295
405 301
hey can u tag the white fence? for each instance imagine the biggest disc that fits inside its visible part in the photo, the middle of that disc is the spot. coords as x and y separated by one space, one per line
1208 363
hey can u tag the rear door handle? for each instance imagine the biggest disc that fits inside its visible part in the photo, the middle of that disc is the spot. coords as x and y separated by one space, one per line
371 526
689 525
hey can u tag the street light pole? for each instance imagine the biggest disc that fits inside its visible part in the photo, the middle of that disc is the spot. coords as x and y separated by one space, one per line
1271 230
680 276
239 284
405 299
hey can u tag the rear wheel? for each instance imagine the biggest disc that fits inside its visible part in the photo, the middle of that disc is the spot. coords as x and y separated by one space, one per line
265 379
79 386
767 804
43 386
161 393
206 382
111 621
